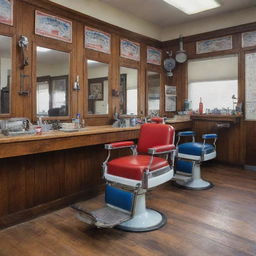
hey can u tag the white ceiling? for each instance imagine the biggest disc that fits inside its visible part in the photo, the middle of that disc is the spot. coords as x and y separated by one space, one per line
160 13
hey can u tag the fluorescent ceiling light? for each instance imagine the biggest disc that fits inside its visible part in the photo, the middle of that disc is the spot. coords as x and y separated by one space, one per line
42 49
193 6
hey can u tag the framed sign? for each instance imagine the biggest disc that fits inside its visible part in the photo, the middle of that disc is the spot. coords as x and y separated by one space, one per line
97 40
250 86
53 27
154 56
249 39
129 50
6 12
214 45
96 89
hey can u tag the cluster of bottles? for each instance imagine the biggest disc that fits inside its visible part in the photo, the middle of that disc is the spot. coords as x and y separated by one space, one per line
78 122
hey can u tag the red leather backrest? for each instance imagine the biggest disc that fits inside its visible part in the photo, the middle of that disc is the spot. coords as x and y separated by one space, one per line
155 135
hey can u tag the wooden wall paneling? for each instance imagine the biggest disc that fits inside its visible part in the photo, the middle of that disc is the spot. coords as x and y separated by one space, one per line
81 70
115 74
143 82
27 29
4 195
16 185
250 139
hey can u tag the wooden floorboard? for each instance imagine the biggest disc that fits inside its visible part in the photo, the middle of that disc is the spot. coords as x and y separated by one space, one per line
219 221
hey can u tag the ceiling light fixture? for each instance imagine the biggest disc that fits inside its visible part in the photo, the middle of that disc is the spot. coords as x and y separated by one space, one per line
193 6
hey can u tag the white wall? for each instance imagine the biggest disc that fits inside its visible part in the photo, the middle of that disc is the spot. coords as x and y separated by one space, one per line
107 13
210 24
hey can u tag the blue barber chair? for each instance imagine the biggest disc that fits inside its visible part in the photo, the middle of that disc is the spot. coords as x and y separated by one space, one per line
189 158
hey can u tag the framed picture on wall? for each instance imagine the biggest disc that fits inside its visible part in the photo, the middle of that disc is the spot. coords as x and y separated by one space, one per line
129 50
154 56
96 90
53 27
6 12
249 39
97 40
214 45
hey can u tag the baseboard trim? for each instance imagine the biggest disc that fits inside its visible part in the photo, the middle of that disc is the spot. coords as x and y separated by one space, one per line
42 209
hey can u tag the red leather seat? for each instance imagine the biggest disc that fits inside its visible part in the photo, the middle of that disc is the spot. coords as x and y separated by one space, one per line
132 167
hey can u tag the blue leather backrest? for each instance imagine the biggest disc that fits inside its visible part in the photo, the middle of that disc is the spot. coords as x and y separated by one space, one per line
119 198
186 133
210 136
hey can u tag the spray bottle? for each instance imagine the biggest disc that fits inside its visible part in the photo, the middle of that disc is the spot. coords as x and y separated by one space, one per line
201 107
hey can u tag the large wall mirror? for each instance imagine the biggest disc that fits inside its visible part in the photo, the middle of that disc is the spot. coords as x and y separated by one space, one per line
5 73
52 82
128 90
97 87
153 80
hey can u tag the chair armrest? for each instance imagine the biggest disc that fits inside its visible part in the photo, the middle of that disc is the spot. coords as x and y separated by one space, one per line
164 149
158 120
210 136
186 133
121 144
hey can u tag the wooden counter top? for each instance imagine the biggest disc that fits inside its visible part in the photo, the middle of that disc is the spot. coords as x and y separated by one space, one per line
58 140
218 118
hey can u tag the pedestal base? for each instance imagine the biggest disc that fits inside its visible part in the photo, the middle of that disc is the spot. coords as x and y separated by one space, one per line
148 221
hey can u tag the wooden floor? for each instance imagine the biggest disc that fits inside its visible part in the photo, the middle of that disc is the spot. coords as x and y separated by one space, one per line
220 221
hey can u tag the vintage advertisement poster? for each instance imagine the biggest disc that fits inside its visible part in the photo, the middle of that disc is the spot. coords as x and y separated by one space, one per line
214 45
6 12
154 56
129 49
249 39
53 27
170 98
97 40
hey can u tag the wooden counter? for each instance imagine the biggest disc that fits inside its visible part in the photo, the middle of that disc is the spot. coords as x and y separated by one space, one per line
217 118
57 140
39 173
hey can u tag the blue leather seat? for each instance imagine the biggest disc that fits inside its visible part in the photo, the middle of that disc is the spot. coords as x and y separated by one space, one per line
195 148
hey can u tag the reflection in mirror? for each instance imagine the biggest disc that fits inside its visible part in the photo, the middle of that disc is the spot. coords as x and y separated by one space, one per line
52 82
97 87
153 79
5 73
128 90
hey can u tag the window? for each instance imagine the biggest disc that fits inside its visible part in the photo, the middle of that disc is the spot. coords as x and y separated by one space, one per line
215 80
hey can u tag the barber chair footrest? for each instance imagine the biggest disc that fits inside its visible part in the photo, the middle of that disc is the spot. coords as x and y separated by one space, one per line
106 217
182 178
195 184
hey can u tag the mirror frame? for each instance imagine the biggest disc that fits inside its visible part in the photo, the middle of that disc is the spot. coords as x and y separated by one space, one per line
86 105
157 70
13 76
69 90
126 65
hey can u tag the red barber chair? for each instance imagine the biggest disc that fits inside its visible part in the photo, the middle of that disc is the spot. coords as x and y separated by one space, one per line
128 179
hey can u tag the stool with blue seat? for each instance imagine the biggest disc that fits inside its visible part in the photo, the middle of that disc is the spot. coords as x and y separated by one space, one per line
190 155
129 177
